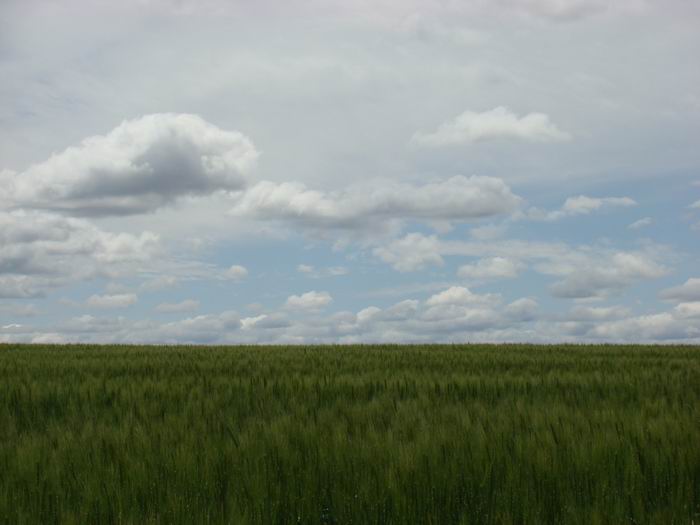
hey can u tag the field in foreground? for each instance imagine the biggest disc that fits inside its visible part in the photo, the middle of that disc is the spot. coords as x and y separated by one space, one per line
363 435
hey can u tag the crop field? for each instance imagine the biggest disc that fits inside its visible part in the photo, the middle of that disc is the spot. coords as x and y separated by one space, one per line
350 434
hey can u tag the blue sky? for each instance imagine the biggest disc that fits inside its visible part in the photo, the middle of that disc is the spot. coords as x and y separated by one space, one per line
225 172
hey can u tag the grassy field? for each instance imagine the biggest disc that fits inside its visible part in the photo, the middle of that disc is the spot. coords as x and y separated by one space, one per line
362 435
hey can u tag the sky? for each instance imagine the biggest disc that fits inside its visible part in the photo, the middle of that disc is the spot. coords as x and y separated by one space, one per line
312 171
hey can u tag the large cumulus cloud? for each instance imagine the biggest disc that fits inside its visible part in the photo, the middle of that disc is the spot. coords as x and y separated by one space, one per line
139 166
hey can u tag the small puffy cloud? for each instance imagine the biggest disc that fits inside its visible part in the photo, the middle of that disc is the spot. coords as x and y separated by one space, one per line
188 305
236 272
413 252
377 204
582 204
122 300
460 295
641 223
138 167
490 268
331 271
695 205
689 291
312 300
498 123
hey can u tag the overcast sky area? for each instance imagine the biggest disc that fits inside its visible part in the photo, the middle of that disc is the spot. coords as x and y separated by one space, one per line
332 171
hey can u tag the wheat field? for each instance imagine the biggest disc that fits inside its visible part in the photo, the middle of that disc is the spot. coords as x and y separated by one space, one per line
431 434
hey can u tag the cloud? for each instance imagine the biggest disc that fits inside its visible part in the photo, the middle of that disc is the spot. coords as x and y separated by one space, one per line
583 205
695 205
312 300
522 310
580 205
159 283
138 167
413 252
452 315
188 305
375 205
112 300
201 329
498 123
249 322
43 250
641 223
236 272
603 278
305 268
688 291
558 10
691 309
331 271
583 271
653 327
597 313
490 268
459 295
17 310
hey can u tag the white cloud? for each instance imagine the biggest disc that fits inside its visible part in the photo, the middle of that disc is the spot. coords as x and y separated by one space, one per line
689 291
490 268
653 327
188 305
139 166
641 223
330 271
691 309
584 271
312 300
249 322
305 268
413 252
695 205
460 295
580 205
375 205
603 277
498 123
112 301
43 250
236 272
